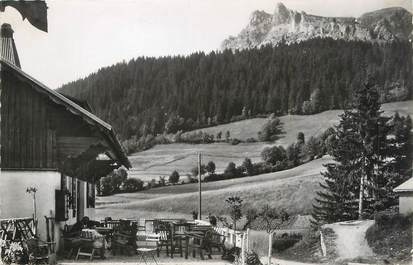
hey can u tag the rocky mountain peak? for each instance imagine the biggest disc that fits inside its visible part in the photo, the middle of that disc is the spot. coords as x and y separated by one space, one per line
389 24
258 17
281 14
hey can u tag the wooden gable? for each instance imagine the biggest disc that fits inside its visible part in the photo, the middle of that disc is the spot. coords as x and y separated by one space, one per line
41 129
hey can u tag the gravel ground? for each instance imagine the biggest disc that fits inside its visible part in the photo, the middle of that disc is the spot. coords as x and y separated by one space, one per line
351 239
133 260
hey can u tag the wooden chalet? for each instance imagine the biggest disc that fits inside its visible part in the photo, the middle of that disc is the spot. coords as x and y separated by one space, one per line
405 193
52 143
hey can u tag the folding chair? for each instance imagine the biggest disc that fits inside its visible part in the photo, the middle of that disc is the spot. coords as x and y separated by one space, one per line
147 247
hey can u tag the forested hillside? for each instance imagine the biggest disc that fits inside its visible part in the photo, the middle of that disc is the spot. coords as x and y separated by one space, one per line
152 95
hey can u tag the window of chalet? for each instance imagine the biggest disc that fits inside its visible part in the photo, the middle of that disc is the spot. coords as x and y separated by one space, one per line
63 182
64 186
73 196
90 191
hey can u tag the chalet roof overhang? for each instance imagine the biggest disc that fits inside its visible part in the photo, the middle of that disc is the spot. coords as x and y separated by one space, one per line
406 187
106 130
87 167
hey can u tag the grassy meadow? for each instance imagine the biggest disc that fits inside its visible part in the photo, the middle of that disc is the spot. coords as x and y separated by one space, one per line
161 160
292 189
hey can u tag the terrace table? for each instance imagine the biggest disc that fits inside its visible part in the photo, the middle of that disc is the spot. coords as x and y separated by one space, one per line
179 229
105 231
198 242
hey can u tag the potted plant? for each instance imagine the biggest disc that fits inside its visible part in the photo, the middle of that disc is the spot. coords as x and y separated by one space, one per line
3 247
13 253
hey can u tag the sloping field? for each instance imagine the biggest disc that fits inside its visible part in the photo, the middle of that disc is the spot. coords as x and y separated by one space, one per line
163 159
309 124
292 189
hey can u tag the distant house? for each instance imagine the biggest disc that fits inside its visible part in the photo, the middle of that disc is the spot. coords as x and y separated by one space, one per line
49 142
405 192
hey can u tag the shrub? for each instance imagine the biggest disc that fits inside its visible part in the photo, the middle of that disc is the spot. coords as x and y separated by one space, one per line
250 257
132 185
214 177
162 181
227 136
106 187
210 167
313 148
117 178
248 167
387 220
199 137
262 167
251 140
235 141
293 155
174 177
273 154
195 172
391 236
232 171
282 244
153 184
280 165
305 250
271 130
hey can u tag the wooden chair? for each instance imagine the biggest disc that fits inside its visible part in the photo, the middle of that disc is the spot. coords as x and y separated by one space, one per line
215 240
164 231
124 238
71 241
37 250
90 245
196 242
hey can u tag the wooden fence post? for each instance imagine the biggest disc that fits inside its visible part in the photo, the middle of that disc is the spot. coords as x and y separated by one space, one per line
270 247
242 249
323 245
247 239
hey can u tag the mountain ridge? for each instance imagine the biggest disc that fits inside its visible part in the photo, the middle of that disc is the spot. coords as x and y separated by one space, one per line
290 26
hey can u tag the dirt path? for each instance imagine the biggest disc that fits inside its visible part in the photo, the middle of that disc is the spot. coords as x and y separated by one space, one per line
289 262
351 241
133 260
276 261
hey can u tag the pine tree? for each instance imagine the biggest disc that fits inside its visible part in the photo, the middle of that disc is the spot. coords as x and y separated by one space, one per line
364 172
338 199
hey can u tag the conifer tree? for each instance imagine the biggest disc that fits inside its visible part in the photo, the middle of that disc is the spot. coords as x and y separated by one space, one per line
366 148
337 200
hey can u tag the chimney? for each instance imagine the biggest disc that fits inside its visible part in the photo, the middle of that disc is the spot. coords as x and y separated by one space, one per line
8 51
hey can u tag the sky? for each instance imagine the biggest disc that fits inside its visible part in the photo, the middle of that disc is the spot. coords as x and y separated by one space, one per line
85 35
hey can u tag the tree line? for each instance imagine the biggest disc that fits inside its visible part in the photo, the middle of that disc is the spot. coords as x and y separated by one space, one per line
150 96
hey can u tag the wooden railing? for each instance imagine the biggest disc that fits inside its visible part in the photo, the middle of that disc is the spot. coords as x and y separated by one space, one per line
17 229
232 237
235 238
